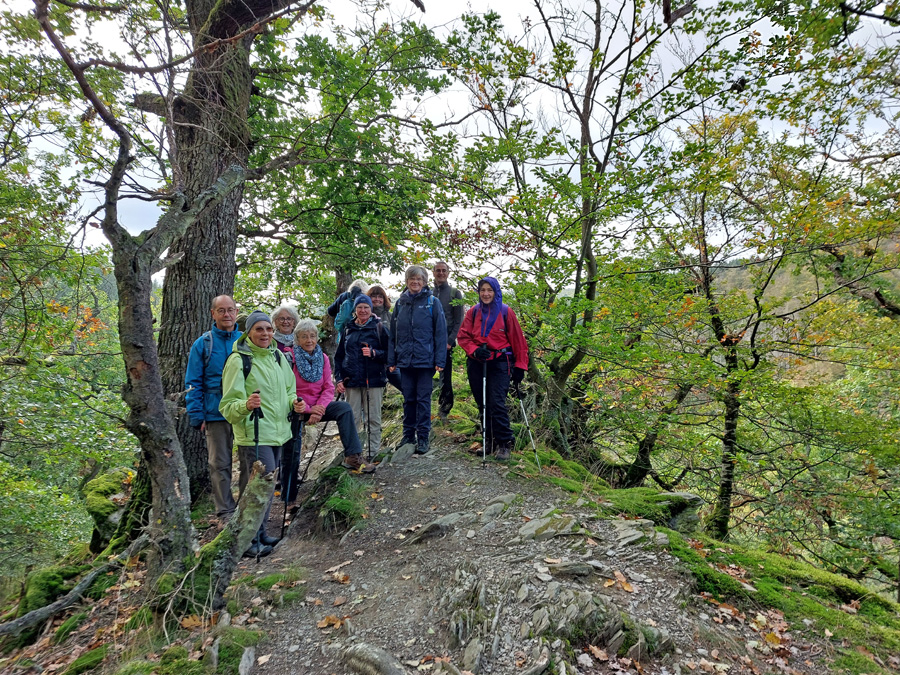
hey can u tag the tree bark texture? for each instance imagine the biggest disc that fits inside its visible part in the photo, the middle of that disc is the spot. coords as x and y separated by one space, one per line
717 525
211 133
149 420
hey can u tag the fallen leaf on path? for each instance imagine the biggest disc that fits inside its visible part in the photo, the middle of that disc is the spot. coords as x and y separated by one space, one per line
609 582
338 601
340 578
597 653
330 620
553 561
623 582
359 553
262 660
337 567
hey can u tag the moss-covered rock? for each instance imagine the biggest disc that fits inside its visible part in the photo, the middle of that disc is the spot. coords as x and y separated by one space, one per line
45 585
87 661
232 643
66 627
801 591
105 499
338 498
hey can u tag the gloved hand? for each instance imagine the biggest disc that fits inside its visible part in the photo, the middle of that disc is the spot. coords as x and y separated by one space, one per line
518 375
482 353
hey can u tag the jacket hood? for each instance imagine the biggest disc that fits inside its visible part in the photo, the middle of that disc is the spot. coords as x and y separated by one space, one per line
498 294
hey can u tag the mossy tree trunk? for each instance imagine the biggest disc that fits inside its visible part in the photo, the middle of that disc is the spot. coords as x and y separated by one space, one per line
211 133
717 525
219 558
135 259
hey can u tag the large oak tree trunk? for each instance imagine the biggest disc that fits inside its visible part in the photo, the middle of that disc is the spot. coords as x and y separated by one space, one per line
211 133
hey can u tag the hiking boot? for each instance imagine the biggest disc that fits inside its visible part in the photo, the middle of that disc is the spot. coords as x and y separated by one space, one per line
503 453
422 448
266 540
355 463
407 440
257 550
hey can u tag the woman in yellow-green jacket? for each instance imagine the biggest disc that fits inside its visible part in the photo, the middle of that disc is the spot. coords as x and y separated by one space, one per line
258 377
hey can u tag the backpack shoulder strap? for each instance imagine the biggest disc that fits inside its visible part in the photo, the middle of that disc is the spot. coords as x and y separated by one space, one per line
207 348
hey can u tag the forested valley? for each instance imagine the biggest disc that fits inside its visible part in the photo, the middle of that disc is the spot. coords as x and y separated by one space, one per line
692 209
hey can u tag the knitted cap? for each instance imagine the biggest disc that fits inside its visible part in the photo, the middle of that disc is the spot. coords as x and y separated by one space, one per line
255 317
362 300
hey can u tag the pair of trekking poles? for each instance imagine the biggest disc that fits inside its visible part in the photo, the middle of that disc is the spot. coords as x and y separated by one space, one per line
297 425
519 396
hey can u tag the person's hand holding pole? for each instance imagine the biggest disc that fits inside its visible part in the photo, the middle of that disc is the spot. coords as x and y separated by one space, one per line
254 401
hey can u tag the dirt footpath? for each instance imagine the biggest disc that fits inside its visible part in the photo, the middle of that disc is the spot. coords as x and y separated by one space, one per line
460 566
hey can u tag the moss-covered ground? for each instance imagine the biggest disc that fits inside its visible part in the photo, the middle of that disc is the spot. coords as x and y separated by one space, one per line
860 624
853 615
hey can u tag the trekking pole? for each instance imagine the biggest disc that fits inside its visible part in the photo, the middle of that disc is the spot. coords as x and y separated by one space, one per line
484 413
315 447
297 436
368 417
256 415
519 396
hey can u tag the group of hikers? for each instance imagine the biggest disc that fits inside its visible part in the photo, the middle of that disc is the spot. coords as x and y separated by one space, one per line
257 386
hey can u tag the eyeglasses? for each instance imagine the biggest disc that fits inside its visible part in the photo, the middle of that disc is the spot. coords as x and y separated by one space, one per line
226 310
284 319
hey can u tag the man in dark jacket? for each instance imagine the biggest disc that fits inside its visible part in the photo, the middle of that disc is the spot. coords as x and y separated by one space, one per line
451 301
203 381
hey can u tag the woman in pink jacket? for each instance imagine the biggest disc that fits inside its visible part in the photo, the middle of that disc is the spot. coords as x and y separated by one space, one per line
313 372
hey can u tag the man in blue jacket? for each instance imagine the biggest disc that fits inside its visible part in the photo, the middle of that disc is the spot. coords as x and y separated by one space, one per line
203 381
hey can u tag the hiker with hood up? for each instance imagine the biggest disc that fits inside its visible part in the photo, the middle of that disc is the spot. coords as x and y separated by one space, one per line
419 331
494 342
360 370
257 376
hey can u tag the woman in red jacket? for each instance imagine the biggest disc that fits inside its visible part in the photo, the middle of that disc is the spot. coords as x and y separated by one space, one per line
492 337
